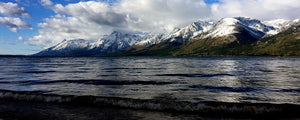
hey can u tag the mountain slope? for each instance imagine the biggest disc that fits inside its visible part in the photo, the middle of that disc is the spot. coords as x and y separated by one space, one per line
286 43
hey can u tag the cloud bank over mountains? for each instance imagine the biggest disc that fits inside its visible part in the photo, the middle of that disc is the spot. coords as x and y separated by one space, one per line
91 19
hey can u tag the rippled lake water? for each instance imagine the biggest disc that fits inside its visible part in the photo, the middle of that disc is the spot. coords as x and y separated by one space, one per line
193 79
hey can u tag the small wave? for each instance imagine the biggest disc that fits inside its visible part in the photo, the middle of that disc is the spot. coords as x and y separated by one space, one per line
5 82
38 71
4 78
41 72
283 67
195 75
265 70
290 90
73 72
133 68
93 82
223 88
116 68
204 107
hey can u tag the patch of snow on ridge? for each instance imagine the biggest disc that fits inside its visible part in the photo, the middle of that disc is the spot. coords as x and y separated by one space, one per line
280 25
189 31
72 44
224 27
255 24
150 39
227 26
118 40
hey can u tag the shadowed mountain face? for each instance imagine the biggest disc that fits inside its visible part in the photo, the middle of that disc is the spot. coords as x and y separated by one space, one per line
229 36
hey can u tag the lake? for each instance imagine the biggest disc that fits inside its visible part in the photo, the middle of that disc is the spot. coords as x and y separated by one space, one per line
272 80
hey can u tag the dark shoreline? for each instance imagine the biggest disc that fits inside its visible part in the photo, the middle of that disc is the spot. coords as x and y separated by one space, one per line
25 110
36 105
22 110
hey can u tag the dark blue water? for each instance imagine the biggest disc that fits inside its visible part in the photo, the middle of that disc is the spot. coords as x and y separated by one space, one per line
193 79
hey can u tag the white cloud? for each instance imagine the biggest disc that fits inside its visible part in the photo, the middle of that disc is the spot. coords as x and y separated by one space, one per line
91 11
152 15
60 27
46 3
260 9
20 38
13 10
14 24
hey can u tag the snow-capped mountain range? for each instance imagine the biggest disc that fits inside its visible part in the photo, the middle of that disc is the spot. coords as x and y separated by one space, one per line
118 41
113 43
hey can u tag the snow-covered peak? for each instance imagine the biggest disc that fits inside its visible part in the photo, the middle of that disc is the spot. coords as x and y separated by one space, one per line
150 39
280 25
197 26
184 34
115 35
120 39
296 21
175 30
228 26
223 27
123 37
72 44
255 24
227 22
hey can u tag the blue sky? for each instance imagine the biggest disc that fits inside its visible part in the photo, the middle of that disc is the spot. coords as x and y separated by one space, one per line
211 1
29 26
9 42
